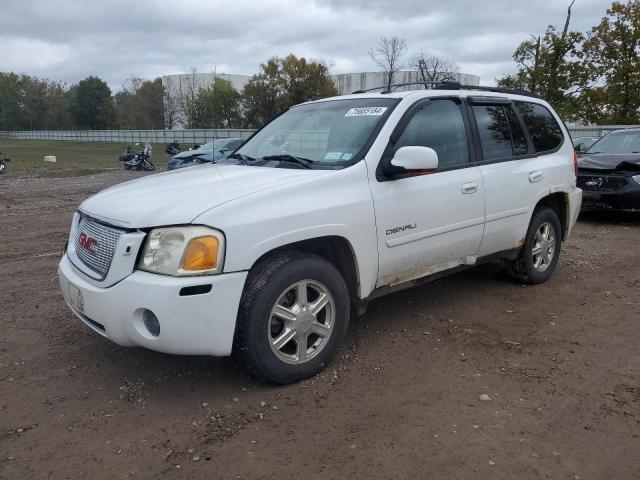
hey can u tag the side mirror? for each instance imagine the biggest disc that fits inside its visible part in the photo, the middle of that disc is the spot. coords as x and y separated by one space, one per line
414 160
580 148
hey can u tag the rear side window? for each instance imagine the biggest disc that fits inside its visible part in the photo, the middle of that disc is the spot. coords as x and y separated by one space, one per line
543 128
501 136
438 125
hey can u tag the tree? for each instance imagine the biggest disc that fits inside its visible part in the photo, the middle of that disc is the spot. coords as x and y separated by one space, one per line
388 55
284 82
171 104
551 66
432 68
139 104
219 105
304 80
11 97
92 104
612 54
188 100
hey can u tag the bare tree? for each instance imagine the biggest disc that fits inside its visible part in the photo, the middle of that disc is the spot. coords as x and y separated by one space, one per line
432 68
188 98
171 103
388 55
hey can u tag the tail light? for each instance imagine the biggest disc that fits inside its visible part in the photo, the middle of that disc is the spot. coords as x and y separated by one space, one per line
575 163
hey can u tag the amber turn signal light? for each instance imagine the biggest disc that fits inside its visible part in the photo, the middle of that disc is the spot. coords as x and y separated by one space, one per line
201 254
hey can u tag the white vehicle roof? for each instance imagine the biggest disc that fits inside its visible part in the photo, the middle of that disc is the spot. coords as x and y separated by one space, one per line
417 94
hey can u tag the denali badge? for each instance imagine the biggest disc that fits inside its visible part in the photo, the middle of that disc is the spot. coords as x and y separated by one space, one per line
87 242
391 231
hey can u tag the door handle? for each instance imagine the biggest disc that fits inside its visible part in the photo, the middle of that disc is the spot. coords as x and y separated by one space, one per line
469 188
535 176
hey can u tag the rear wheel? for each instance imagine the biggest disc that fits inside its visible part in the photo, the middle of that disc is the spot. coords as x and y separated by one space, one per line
293 317
538 258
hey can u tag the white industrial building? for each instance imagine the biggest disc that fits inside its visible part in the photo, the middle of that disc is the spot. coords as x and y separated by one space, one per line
346 83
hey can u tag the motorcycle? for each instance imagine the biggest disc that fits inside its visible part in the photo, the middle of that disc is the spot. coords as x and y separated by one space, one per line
141 160
173 148
128 154
3 166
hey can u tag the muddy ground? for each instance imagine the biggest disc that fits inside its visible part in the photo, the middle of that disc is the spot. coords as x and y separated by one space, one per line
559 363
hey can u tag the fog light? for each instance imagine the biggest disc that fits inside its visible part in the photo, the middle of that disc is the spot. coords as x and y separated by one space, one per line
151 322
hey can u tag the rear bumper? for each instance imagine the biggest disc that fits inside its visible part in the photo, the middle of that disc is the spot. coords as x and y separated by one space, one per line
575 199
200 324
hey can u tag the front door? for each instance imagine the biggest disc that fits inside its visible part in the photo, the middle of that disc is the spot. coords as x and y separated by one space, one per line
434 221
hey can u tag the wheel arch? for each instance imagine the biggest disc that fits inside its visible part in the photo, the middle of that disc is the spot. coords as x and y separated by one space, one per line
336 249
559 203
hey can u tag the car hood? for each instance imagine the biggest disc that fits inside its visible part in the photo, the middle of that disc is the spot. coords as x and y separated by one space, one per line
603 161
179 196
189 154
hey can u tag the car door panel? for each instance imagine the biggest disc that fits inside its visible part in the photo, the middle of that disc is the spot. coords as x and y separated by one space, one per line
426 224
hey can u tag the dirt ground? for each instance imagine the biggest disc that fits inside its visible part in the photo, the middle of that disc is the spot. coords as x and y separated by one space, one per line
559 363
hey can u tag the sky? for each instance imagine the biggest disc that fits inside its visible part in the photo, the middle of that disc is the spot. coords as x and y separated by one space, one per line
68 40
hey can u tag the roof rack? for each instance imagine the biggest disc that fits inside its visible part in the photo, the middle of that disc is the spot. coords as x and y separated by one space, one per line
445 85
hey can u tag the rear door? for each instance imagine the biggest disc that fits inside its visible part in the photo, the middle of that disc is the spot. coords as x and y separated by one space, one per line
510 169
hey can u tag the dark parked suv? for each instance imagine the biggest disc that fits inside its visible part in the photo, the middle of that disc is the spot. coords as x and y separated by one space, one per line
609 172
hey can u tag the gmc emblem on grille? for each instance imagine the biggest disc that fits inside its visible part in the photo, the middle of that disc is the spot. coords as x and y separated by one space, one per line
87 242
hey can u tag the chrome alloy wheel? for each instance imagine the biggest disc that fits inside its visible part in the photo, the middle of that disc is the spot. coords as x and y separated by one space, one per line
301 322
544 246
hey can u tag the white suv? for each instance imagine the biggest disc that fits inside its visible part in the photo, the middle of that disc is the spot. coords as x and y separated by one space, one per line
267 254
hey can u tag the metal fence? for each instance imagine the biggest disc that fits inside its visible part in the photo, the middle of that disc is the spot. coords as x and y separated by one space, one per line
130 136
202 136
596 130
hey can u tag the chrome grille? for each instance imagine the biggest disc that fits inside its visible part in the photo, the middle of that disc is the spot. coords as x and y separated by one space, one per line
106 239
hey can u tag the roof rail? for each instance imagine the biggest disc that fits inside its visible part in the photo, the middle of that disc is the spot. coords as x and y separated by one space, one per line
446 85
392 87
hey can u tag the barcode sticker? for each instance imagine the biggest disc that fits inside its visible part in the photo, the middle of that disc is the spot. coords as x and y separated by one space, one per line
366 111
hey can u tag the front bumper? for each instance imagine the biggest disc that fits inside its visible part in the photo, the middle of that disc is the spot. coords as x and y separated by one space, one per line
201 324
624 201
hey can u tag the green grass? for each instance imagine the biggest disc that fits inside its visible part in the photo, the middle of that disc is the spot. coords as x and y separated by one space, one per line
28 155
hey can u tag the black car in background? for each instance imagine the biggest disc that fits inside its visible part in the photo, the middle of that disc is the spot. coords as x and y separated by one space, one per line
609 172
582 144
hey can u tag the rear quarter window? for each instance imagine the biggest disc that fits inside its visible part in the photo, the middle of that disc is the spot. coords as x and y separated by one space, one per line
542 126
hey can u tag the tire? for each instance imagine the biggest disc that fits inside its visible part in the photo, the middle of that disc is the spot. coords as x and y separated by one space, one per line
531 269
276 285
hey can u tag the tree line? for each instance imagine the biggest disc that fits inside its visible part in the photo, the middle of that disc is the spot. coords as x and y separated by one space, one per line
591 77
31 103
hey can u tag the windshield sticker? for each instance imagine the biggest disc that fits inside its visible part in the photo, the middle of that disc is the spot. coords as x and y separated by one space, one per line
332 156
366 111
347 156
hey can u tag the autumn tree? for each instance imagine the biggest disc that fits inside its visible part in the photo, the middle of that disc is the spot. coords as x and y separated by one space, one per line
284 82
550 65
388 54
612 55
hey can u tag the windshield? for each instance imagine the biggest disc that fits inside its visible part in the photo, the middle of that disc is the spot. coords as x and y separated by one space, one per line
617 143
327 133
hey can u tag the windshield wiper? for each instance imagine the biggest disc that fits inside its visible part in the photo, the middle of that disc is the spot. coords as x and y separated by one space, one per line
285 157
242 157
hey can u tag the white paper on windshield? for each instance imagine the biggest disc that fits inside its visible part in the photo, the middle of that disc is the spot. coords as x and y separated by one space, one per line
366 111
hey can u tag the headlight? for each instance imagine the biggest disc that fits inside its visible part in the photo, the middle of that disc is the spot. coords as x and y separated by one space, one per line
183 251
636 178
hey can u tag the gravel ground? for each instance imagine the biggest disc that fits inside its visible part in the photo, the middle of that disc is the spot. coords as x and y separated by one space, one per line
473 376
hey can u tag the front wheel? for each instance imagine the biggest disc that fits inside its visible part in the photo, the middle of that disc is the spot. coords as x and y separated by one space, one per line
539 257
293 316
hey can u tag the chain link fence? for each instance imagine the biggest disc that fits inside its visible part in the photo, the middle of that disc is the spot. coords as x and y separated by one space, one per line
189 137
130 136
